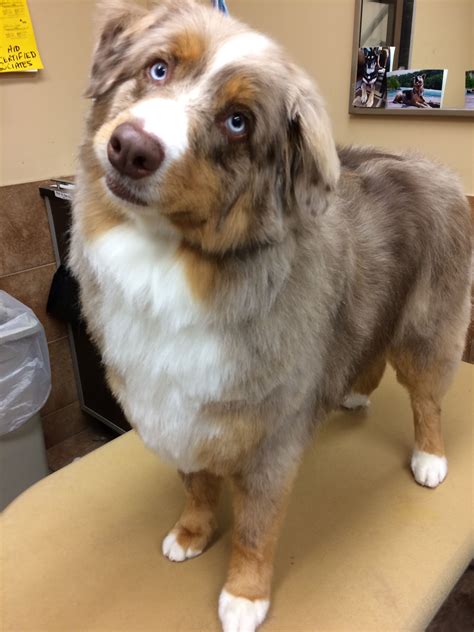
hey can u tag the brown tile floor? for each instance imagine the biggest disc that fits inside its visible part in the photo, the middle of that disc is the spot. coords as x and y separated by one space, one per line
455 615
95 435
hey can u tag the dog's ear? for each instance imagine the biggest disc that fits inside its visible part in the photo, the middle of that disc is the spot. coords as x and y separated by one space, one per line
423 76
114 17
313 163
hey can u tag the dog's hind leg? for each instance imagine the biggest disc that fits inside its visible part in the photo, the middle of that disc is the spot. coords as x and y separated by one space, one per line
426 385
197 524
426 367
365 383
426 355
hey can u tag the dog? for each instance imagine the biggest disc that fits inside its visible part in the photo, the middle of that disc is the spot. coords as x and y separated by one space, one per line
242 276
414 97
370 74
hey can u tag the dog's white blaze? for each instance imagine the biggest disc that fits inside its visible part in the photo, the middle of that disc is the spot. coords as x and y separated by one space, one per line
167 119
243 46
162 343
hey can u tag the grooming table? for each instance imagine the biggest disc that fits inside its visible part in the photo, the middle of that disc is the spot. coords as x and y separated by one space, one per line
363 547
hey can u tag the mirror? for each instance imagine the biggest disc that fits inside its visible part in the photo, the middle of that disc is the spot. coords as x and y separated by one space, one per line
413 57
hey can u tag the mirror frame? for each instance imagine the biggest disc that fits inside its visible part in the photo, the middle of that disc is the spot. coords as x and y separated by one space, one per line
443 112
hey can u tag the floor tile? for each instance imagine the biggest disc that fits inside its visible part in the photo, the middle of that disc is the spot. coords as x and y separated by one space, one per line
84 442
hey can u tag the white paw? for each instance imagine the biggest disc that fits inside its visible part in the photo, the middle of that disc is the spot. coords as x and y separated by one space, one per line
174 551
428 469
355 400
241 615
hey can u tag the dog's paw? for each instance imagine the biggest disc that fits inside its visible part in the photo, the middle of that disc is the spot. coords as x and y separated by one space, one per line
428 469
178 549
238 614
355 400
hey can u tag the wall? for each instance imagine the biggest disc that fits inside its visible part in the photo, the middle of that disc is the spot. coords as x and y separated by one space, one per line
41 116
40 123
26 269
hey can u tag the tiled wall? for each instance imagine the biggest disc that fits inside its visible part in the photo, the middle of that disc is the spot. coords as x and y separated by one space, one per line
27 266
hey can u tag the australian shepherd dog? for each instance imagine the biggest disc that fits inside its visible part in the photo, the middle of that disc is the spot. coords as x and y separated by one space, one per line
242 276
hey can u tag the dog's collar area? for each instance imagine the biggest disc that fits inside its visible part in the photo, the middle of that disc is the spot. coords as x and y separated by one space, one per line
238 253
369 80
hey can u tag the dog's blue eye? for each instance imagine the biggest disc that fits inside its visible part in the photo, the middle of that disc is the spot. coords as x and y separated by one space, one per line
236 124
159 71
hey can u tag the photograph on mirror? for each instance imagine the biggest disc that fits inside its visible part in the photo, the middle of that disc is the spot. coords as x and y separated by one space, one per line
420 88
469 94
373 64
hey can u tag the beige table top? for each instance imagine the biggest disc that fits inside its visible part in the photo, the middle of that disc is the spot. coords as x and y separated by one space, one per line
363 546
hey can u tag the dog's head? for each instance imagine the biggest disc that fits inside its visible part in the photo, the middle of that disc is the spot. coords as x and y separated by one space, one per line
419 81
371 59
203 122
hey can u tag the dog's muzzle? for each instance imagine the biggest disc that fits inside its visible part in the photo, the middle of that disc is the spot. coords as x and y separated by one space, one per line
133 152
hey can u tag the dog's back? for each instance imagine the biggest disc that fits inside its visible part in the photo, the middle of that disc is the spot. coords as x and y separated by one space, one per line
405 262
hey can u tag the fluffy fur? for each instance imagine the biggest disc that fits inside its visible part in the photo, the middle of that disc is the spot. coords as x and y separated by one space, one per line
244 288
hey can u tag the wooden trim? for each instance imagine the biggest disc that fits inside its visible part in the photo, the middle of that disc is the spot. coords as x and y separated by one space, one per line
444 112
355 50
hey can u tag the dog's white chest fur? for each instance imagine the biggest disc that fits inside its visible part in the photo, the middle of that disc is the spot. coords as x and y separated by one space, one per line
159 340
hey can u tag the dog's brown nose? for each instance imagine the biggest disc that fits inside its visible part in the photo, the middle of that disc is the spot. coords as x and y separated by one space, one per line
133 152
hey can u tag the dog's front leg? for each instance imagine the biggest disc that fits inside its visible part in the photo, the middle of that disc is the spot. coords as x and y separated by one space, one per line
259 508
421 103
363 98
370 100
196 526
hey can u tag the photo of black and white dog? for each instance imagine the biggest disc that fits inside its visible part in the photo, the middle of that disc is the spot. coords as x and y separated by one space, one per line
371 84
370 74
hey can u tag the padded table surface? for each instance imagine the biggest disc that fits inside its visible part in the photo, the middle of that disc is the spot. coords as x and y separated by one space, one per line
363 546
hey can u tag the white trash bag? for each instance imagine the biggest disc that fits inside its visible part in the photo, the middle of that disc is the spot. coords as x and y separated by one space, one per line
25 373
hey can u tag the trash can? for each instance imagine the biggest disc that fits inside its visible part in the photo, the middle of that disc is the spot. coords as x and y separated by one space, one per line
25 384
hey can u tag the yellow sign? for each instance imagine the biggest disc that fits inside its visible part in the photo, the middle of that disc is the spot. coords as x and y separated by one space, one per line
18 50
